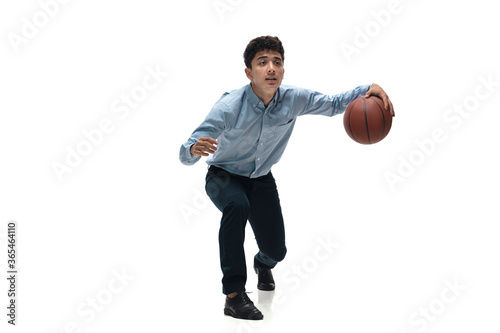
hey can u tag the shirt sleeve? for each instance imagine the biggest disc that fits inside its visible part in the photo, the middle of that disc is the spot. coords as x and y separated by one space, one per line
330 105
213 125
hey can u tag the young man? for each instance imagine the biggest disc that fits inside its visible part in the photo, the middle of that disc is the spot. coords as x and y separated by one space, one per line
246 133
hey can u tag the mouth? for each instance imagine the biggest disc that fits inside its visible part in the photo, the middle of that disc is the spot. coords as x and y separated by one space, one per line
271 79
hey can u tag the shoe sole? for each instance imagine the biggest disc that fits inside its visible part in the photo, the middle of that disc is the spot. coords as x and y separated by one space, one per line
228 312
266 288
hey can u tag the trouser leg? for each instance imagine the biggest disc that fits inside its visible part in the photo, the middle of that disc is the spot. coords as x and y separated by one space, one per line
230 197
267 223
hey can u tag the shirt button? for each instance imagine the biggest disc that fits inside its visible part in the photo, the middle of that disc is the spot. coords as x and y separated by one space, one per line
258 159
261 144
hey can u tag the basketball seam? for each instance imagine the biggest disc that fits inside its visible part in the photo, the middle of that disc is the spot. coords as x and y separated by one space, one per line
366 122
383 119
350 126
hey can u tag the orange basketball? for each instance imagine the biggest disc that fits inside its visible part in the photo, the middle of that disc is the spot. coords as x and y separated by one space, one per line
366 120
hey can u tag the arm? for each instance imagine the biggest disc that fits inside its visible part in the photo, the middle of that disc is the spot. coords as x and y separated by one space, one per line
321 104
203 140
326 105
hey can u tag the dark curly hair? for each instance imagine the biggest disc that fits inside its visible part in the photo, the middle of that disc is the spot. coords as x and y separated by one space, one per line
261 44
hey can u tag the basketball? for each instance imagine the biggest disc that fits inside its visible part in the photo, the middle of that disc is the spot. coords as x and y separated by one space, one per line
366 120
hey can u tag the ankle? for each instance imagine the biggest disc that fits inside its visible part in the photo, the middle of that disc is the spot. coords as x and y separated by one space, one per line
232 295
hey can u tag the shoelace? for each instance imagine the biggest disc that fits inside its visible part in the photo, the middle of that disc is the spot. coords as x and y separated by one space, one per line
245 298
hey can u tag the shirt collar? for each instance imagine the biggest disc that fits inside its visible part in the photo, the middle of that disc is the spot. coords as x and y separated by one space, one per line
256 102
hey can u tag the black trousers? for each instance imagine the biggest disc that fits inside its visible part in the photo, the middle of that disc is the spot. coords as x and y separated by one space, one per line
240 199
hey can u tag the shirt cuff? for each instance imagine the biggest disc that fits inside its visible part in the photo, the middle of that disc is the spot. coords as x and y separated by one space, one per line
185 154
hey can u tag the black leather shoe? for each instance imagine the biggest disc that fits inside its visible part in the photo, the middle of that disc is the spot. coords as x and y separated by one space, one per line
266 281
241 307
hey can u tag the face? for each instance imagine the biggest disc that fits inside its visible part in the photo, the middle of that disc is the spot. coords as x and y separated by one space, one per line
267 71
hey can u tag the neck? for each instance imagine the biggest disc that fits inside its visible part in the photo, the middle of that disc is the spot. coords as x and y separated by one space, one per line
265 96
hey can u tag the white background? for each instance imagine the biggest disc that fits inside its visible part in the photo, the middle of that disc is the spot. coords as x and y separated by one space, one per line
131 206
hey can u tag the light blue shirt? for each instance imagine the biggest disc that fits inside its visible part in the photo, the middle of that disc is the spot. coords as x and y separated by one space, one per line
252 138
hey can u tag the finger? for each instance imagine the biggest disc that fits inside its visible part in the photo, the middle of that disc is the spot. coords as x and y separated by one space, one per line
210 140
207 147
200 152
392 110
386 103
205 151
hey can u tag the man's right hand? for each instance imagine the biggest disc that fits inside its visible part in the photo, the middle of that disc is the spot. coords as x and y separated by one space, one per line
204 147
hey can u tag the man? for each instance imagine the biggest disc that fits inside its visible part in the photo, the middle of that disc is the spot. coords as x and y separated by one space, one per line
246 133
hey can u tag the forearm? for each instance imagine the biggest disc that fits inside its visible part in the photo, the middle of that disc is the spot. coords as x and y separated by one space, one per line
341 101
331 105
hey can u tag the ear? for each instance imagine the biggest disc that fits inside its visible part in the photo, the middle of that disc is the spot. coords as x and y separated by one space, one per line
248 73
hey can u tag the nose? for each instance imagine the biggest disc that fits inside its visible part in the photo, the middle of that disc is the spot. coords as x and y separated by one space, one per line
271 68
